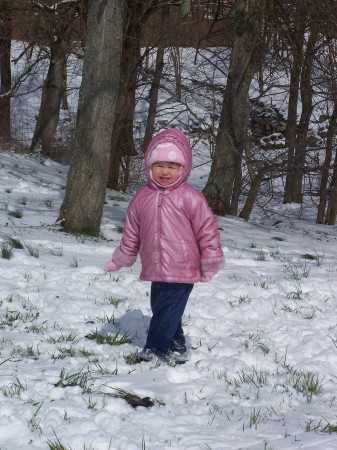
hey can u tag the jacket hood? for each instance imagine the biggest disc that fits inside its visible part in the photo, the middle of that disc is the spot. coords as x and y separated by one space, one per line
178 138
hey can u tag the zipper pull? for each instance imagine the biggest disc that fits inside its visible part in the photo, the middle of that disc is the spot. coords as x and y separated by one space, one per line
160 199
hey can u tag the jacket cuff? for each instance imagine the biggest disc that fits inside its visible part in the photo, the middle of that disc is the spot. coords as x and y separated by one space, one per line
212 265
121 259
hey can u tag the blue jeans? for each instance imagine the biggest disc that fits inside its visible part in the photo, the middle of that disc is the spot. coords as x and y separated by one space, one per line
168 302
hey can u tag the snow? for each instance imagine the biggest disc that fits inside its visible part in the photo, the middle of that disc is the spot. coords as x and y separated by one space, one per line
262 334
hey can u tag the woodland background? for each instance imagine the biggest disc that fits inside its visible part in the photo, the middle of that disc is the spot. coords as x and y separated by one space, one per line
132 65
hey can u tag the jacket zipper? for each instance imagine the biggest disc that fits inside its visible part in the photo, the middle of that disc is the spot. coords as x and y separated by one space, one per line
160 201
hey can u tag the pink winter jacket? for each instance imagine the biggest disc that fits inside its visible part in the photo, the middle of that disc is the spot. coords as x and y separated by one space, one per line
172 228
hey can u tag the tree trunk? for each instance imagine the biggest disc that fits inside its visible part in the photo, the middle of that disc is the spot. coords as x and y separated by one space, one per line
175 55
52 94
82 208
224 182
252 194
59 29
295 76
5 71
255 182
154 91
122 143
323 188
332 204
304 122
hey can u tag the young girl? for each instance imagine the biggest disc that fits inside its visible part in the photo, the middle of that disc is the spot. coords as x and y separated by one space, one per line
171 226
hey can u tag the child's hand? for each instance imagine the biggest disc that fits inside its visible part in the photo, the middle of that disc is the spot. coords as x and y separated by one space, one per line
110 266
207 276
209 268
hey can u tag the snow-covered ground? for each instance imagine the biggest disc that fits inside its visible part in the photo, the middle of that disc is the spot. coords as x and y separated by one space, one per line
262 334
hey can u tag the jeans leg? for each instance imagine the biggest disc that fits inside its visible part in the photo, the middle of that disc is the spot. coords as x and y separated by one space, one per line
179 342
168 302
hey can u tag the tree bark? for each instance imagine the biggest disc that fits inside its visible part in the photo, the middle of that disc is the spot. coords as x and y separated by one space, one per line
332 204
58 28
294 184
323 188
224 183
297 43
122 143
82 208
52 94
154 91
5 71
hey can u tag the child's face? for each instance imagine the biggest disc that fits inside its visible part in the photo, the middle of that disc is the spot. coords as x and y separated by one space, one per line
166 173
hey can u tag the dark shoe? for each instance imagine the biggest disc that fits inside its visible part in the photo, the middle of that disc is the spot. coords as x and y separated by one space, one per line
176 347
146 355
150 355
179 357
178 353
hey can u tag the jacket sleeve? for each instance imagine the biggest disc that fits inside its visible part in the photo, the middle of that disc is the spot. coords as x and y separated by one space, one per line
205 227
125 255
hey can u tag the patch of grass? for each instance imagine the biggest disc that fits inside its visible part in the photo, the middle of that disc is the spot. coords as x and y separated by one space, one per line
36 328
310 315
295 271
33 251
56 251
255 378
275 254
115 301
10 318
91 404
63 339
307 383
16 243
107 319
27 352
132 358
49 203
34 422
308 256
297 293
62 353
260 255
14 389
290 309
254 418
304 382
57 445
22 201
253 341
74 262
109 339
17 213
329 428
132 399
313 257
81 379
243 299
264 285
6 250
